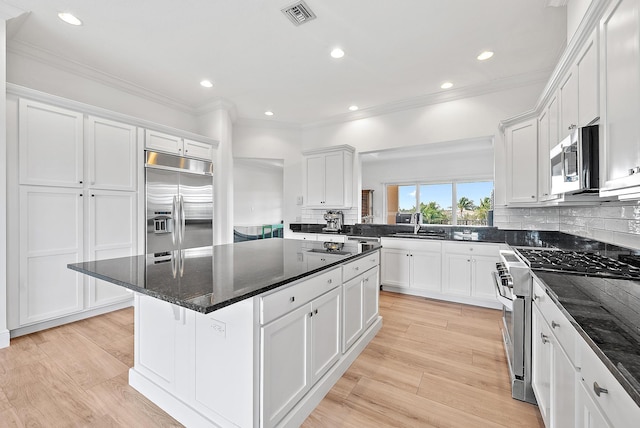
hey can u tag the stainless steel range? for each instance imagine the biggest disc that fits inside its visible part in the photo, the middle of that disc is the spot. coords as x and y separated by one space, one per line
514 282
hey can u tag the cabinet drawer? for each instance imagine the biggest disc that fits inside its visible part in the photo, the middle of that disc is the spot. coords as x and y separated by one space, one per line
616 404
471 249
305 236
359 266
562 329
332 238
281 302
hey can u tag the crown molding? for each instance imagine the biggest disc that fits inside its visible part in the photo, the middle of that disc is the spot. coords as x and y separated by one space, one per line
218 103
8 11
46 57
496 85
267 123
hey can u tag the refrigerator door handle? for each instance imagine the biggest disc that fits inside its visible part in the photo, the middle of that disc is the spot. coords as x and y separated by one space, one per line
174 262
181 262
183 220
174 217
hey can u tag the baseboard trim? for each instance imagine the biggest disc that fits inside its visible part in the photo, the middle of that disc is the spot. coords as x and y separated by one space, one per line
444 297
32 328
5 337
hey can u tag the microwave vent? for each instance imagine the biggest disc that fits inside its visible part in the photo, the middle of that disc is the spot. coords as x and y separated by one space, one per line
299 13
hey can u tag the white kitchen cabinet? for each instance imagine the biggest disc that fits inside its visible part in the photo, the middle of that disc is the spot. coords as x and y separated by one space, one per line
541 357
112 232
588 84
547 119
371 295
168 143
328 178
296 350
317 260
568 93
522 162
413 264
467 270
353 311
51 145
305 236
554 125
620 98
111 155
587 412
51 236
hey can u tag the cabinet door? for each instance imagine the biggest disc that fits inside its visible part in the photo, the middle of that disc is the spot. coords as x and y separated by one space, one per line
587 412
111 155
371 295
457 274
568 103
522 166
51 231
353 315
426 267
285 360
325 333
112 233
541 354
197 149
315 181
334 180
155 140
620 94
554 123
50 145
395 267
482 279
563 393
588 84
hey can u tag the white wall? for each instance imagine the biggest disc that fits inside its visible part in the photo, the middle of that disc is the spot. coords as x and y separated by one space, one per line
36 75
575 12
462 162
272 141
258 192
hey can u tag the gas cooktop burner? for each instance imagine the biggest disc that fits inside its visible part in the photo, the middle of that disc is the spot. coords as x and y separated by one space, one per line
579 262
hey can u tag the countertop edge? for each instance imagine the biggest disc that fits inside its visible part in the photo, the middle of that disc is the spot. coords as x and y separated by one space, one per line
633 392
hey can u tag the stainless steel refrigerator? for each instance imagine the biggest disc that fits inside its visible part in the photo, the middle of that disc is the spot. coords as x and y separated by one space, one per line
179 203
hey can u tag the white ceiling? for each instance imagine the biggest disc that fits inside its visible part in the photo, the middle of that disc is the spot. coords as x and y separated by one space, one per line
395 49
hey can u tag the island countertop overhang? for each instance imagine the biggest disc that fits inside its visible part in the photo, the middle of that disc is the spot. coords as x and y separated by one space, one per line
210 278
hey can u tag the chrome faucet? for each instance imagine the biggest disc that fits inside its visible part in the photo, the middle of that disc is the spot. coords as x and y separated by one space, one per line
416 219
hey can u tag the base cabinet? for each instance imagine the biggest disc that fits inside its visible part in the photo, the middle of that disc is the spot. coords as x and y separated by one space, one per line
588 414
412 264
467 270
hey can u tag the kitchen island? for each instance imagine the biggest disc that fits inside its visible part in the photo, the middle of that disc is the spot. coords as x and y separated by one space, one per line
252 334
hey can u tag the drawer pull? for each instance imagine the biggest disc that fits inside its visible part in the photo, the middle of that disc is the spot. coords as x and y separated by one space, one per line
330 281
554 324
535 297
598 390
292 298
357 268
315 312
545 339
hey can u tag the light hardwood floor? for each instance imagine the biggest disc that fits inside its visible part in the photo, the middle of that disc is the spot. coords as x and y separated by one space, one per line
432 364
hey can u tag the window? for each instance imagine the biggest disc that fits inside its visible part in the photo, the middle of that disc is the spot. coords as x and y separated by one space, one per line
440 203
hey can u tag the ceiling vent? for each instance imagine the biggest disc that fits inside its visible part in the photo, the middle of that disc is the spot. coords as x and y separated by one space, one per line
299 13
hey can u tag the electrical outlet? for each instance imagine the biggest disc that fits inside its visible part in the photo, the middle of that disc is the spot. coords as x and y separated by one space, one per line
218 327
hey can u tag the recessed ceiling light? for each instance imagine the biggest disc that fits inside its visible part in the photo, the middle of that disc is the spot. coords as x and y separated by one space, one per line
353 108
485 55
206 83
446 85
69 18
337 53
268 113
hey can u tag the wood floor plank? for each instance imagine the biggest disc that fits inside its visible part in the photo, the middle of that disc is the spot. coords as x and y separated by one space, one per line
23 351
10 419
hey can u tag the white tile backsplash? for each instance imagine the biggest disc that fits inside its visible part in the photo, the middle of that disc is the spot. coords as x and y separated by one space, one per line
616 223
316 216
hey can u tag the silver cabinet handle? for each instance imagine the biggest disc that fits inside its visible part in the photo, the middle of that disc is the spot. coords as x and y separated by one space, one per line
533 196
357 268
535 297
545 339
599 390
292 298
554 324
572 126
634 170
330 281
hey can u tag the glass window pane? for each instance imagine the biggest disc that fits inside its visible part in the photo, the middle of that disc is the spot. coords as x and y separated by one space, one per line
435 203
406 199
474 201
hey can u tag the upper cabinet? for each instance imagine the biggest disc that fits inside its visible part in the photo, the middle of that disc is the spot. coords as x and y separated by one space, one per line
329 177
568 103
160 141
111 154
51 145
587 69
522 162
620 98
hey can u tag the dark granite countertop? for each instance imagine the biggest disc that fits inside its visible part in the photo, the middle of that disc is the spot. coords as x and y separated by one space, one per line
606 313
210 278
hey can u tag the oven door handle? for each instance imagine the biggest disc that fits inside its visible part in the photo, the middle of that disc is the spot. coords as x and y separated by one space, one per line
507 302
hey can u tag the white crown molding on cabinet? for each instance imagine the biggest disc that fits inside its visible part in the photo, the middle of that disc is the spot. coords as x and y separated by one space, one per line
87 109
8 11
55 60
218 104
497 85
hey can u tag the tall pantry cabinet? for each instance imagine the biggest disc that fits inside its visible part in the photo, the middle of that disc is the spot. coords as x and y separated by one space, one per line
77 201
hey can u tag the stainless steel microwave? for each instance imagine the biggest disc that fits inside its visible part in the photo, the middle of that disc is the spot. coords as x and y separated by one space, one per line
575 162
